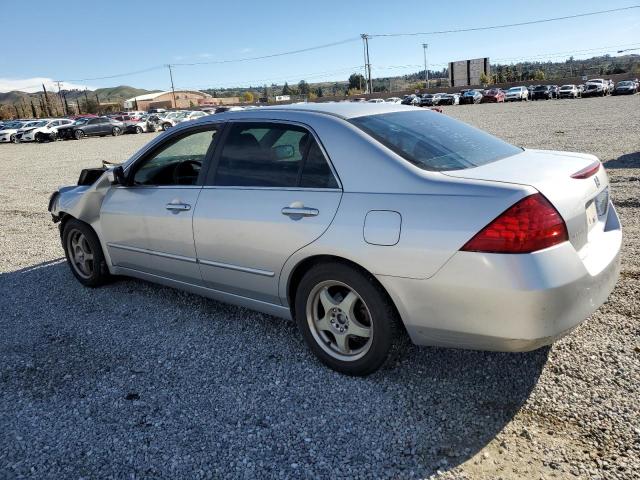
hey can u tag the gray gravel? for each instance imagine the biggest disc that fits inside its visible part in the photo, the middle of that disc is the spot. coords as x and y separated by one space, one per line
138 381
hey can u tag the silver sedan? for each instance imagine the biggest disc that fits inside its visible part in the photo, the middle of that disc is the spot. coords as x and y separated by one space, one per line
360 221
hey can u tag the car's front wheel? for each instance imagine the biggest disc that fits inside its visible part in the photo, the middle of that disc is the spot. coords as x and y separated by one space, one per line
138 129
84 253
78 134
115 131
166 126
346 318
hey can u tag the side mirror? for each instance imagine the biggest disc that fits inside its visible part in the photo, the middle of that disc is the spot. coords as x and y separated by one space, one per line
116 176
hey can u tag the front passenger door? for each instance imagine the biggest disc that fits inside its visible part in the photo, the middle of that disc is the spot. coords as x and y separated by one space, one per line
147 224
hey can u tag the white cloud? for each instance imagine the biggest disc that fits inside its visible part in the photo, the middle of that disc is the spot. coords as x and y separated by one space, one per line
34 84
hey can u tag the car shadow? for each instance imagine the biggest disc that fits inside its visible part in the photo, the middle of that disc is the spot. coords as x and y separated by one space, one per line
629 160
174 381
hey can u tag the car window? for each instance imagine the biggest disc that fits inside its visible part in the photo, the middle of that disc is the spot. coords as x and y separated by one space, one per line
93 121
272 155
433 141
178 162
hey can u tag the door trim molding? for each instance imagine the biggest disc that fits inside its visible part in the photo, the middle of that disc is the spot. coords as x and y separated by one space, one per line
152 252
238 268
228 266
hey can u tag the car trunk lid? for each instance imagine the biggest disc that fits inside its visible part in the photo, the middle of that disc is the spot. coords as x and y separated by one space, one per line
582 202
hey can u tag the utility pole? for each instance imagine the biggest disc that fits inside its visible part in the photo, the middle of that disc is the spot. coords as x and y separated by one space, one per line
425 46
173 90
367 63
98 101
65 110
86 99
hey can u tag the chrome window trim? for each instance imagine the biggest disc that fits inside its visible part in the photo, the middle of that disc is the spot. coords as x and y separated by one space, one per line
280 189
307 127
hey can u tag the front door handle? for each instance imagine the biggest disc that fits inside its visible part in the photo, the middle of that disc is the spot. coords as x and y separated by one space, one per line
178 207
300 211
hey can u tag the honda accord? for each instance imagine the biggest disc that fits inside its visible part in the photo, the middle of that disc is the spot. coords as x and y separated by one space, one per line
362 222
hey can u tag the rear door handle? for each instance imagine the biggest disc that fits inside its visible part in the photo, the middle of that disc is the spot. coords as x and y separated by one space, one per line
179 207
300 211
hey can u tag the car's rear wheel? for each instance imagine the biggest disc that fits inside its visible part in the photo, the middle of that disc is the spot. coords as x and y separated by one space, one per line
12 138
84 254
166 126
138 129
346 318
78 134
115 131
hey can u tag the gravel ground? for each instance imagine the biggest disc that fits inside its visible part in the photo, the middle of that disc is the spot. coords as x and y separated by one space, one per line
135 380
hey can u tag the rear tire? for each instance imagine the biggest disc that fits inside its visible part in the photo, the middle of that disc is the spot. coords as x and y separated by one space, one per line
138 129
78 134
115 131
346 318
84 254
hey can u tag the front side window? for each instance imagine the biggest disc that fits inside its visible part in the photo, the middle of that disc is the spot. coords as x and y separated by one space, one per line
177 163
272 155
433 141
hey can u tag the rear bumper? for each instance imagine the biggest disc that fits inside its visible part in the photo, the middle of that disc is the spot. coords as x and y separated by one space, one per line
509 302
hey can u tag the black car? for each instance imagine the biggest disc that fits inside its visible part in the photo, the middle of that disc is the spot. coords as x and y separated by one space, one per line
626 87
94 126
542 92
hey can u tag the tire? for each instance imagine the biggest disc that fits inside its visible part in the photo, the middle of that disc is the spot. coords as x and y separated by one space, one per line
138 130
322 328
78 134
166 126
79 241
12 138
115 131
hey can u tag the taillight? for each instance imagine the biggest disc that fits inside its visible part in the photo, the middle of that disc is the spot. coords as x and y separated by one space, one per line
529 225
588 171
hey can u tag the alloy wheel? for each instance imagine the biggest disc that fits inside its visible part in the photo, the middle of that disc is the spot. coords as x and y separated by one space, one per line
80 253
339 320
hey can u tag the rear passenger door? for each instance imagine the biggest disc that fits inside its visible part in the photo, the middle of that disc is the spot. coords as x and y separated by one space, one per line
270 192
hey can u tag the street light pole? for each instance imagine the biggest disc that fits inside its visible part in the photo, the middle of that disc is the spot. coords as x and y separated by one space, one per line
425 46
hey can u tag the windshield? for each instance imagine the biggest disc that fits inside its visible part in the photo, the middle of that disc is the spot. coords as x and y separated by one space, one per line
539 88
40 124
30 124
433 141
625 83
81 121
566 87
515 89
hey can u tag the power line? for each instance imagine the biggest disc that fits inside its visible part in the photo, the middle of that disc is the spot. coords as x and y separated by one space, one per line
150 69
273 55
507 25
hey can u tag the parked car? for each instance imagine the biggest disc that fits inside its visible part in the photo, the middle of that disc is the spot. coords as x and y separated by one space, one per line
542 92
411 100
228 109
625 87
393 100
450 99
471 96
596 87
9 130
87 127
516 93
43 131
493 95
426 100
336 235
555 91
569 91
376 100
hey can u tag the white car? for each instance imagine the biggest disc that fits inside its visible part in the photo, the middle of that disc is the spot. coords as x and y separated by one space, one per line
393 100
569 91
9 130
43 131
517 93
376 100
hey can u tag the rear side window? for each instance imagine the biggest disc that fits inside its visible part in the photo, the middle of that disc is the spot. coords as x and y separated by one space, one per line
433 141
272 155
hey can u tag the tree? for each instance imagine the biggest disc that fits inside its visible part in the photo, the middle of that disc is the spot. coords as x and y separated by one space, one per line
356 81
538 75
286 90
303 88
319 92
265 93
484 79
247 97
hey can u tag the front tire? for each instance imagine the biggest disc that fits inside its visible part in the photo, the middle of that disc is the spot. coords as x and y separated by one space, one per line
138 130
166 126
84 254
78 134
115 131
346 318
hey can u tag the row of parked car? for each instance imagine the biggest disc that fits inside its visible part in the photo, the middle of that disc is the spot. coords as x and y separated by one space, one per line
80 126
595 87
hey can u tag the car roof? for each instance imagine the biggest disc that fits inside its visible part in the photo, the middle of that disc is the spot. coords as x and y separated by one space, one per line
342 109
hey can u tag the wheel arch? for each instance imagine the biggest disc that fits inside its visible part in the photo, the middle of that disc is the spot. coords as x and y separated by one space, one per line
304 265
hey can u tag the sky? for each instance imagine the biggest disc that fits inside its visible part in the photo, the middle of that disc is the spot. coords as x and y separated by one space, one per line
79 41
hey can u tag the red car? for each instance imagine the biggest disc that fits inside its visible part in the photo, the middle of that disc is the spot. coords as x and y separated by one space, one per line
494 95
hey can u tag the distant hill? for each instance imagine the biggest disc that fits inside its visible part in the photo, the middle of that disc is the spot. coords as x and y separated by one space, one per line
107 95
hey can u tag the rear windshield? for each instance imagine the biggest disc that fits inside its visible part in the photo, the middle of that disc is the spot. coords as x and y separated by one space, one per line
433 141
